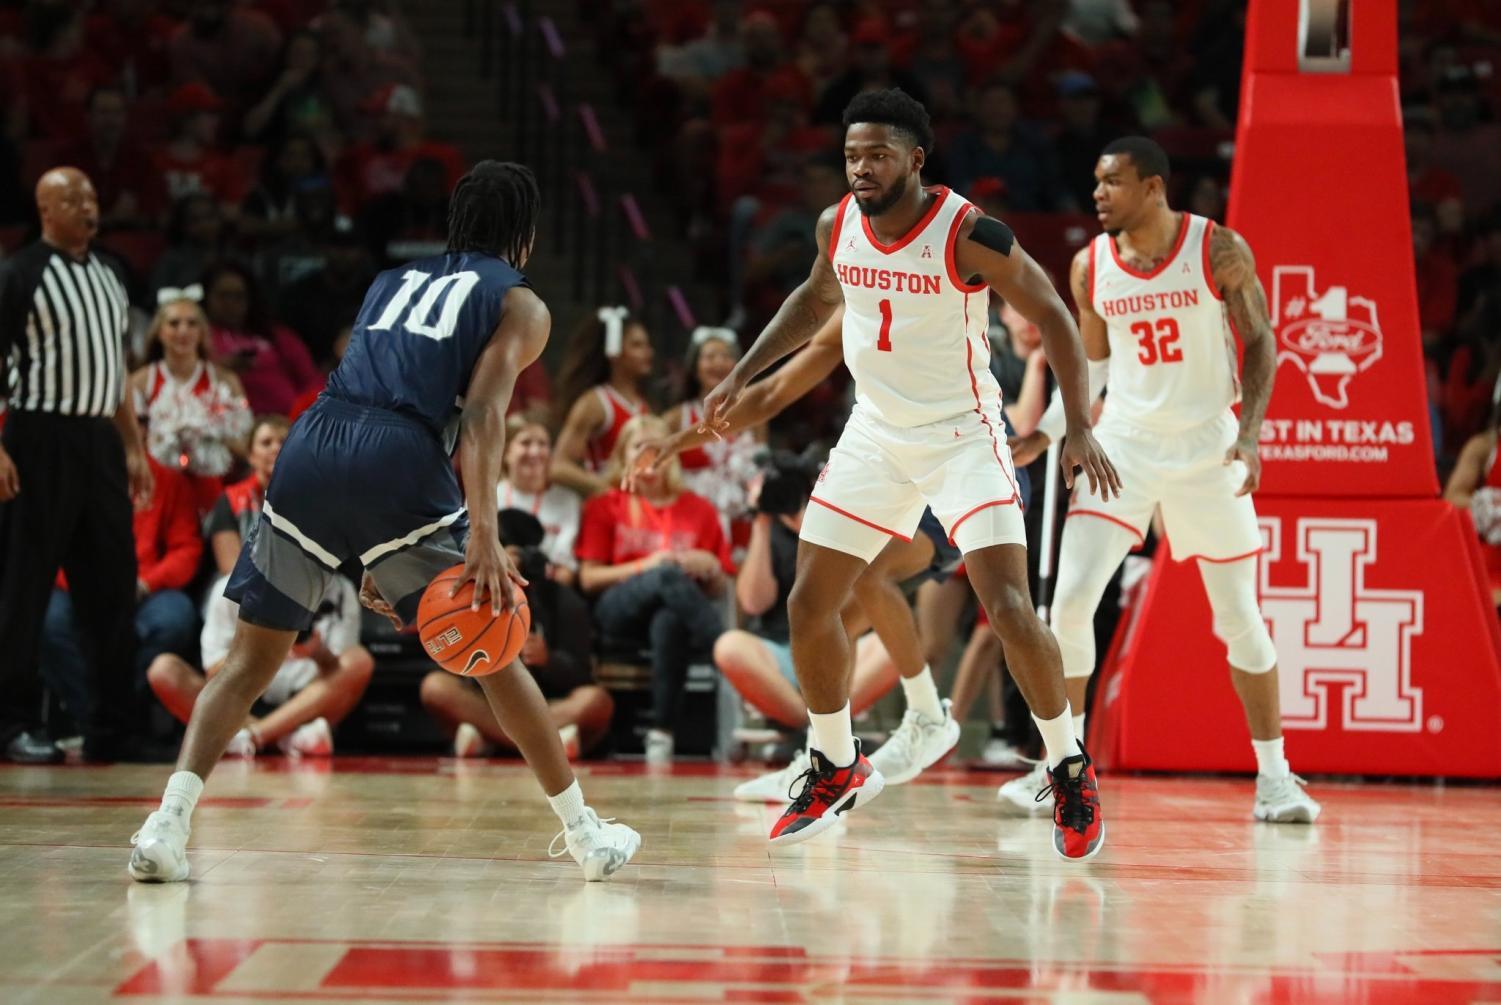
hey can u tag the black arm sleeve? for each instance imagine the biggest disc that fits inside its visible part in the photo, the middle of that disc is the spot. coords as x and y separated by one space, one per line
993 234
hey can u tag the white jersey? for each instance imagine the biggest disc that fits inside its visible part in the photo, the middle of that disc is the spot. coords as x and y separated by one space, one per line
915 333
1172 359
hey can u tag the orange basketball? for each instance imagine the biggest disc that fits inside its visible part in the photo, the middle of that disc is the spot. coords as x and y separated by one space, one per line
465 642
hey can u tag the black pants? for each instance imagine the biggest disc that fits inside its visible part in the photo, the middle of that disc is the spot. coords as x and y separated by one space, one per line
74 513
665 608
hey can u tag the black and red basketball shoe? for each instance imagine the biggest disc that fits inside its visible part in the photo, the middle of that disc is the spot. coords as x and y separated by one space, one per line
824 793
1078 827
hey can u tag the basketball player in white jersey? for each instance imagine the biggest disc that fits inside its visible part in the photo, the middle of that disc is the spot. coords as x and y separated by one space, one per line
912 266
1155 292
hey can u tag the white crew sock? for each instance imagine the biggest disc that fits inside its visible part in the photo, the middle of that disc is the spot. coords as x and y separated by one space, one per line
832 736
1058 737
1270 760
183 790
569 805
1079 728
922 694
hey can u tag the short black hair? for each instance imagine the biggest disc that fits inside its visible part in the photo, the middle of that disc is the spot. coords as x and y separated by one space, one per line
1148 157
896 108
494 210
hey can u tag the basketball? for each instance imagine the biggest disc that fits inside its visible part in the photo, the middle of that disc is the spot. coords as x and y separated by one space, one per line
467 642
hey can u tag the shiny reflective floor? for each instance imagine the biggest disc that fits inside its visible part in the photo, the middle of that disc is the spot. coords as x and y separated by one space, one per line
423 880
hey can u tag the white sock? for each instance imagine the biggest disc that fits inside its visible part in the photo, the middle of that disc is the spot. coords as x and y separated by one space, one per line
1058 736
1270 760
569 804
922 694
183 790
832 736
1079 728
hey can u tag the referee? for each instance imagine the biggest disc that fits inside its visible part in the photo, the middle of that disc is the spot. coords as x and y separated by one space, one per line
70 460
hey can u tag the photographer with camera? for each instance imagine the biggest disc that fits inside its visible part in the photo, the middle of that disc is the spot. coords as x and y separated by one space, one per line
757 660
321 681
557 652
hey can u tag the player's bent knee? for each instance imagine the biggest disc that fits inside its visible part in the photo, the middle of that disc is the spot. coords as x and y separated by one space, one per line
1251 650
1011 615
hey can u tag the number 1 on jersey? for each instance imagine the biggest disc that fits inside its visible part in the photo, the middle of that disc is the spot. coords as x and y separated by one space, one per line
883 340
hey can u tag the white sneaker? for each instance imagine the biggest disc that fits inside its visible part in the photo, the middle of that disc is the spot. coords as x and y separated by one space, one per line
658 747
468 741
1018 797
161 850
601 847
918 744
569 734
242 744
311 739
1283 801
1000 754
774 786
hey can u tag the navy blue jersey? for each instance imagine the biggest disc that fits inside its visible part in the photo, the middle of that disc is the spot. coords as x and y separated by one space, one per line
419 333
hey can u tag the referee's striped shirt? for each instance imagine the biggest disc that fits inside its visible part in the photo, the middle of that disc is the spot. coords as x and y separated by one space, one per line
63 326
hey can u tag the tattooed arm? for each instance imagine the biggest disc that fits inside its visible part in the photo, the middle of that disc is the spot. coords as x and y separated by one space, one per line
1234 269
802 314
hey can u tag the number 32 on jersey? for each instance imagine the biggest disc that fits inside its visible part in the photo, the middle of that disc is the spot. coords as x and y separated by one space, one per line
457 286
1157 343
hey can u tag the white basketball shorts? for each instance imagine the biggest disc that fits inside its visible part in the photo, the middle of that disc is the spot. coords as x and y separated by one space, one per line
1185 473
880 477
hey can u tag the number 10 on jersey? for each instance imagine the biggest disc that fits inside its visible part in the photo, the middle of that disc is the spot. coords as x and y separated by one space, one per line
457 286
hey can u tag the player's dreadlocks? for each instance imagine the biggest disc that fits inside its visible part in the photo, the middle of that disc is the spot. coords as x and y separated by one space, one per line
895 108
494 210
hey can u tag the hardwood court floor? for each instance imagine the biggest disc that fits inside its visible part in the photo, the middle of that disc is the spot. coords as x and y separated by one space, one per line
424 879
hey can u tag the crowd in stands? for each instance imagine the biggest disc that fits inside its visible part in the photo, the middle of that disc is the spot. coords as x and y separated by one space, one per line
258 160
741 101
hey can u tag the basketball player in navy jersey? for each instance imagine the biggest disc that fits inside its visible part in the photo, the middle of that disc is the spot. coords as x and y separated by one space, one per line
366 474
912 265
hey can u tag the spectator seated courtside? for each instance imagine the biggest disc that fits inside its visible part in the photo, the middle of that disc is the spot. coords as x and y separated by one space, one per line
656 560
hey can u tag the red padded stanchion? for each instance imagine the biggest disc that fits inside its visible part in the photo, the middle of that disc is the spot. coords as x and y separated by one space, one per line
1372 587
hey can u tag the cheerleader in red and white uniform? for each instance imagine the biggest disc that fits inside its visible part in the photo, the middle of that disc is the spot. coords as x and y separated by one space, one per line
721 470
601 387
194 411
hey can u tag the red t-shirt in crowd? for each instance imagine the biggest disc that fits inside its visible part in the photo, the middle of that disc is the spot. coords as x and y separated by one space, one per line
618 527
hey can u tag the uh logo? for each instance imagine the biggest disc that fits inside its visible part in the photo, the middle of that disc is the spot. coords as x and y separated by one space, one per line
1330 336
1333 632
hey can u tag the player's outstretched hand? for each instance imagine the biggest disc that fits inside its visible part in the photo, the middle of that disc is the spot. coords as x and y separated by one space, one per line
1251 458
650 456
1080 450
717 405
1026 449
370 598
489 568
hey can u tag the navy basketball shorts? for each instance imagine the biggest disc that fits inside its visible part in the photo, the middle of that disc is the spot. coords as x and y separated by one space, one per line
350 482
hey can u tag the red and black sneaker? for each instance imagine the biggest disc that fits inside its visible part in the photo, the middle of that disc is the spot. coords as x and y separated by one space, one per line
826 793
1078 828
